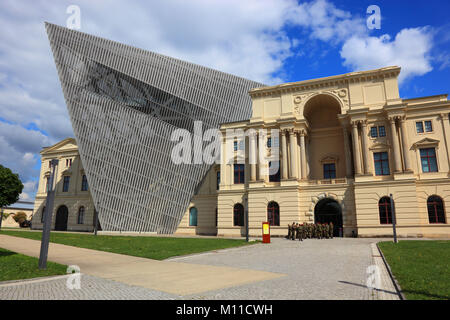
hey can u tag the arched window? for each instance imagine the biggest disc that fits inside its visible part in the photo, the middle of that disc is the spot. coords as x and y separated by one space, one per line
43 214
273 213
436 213
193 217
81 215
384 207
238 215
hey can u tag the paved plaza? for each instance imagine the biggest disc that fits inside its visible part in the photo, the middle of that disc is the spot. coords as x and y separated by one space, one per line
284 269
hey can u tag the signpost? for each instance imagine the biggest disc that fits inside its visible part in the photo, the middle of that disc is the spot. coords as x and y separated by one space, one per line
96 218
393 218
48 216
266 232
1 217
246 219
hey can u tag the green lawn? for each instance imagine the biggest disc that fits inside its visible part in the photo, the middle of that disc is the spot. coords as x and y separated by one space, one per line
158 248
15 266
421 267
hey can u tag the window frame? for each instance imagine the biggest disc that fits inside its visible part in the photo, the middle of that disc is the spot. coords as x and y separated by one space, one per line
381 161
238 221
240 173
273 214
84 183
387 210
81 213
190 217
436 215
428 157
64 184
324 171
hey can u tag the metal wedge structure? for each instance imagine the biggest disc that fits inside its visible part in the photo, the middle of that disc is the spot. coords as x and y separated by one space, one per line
124 103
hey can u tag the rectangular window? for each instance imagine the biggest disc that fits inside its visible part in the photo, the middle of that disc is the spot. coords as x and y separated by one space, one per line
218 180
382 131
381 160
419 127
373 132
66 184
269 142
235 145
47 184
428 126
238 173
329 171
428 160
84 183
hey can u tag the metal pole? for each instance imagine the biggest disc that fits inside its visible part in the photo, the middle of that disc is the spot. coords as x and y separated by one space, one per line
246 219
393 218
1 218
96 218
48 218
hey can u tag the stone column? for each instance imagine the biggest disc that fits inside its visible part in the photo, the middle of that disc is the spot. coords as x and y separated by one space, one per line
405 144
223 162
263 165
293 149
348 160
253 155
303 155
446 128
356 151
397 156
284 166
365 147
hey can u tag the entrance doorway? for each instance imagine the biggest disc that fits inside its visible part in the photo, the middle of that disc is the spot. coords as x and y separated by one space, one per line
61 218
328 210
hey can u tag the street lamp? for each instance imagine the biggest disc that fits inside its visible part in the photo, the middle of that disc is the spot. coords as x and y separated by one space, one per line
393 218
246 217
48 216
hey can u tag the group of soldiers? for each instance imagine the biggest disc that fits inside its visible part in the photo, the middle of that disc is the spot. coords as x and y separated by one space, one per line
309 231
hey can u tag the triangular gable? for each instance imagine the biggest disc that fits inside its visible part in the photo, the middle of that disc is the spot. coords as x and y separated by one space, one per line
66 144
426 142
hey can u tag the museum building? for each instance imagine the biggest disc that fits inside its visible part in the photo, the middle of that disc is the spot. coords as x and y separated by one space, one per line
345 144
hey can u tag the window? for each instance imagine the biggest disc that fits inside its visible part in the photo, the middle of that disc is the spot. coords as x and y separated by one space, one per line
193 217
419 127
238 145
43 214
329 171
269 142
217 216
238 173
376 132
235 145
68 162
381 160
436 213
238 215
217 180
66 183
276 176
428 126
382 131
273 213
373 132
81 215
428 160
84 183
384 207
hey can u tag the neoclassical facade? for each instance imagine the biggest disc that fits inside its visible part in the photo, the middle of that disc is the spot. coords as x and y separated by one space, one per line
73 209
345 144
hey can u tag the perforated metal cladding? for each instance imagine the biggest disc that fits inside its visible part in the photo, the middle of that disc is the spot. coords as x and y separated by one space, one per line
124 104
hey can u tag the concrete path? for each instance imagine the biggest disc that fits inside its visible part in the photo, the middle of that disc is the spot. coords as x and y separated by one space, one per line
177 278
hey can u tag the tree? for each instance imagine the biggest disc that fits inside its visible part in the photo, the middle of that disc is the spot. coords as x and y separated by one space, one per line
10 187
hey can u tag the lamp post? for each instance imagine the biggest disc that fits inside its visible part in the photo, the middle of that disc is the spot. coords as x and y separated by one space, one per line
393 218
48 217
246 218
96 218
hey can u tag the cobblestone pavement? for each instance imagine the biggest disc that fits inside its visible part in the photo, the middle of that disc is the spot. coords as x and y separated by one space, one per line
91 288
315 269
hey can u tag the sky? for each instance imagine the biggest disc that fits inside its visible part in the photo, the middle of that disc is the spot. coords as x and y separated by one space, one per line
270 41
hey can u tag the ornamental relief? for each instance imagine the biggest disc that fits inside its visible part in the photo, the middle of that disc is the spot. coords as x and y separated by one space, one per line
301 99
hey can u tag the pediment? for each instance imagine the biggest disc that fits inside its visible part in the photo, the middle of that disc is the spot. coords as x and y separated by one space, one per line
330 158
426 142
379 146
68 144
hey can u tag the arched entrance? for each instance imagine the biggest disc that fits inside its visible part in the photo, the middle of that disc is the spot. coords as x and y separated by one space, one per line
328 210
61 218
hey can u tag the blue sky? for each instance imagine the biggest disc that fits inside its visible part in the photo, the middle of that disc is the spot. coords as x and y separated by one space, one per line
271 41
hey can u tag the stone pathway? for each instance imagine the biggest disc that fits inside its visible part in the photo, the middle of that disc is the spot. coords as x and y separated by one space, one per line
285 269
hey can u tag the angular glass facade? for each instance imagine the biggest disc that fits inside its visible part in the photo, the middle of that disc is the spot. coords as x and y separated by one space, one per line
124 103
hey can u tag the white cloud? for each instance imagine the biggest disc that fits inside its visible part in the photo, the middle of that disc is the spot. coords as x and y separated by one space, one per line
410 50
